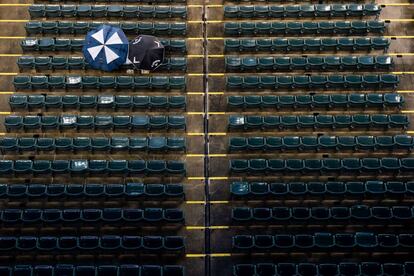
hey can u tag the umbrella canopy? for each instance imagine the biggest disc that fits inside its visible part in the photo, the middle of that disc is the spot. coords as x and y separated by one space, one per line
105 48
146 52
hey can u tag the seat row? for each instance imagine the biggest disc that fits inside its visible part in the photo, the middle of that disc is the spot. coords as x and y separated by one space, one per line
96 11
354 165
98 122
100 167
343 100
91 191
43 82
360 213
92 270
76 44
323 241
81 27
20 101
31 216
324 269
370 188
321 63
357 27
87 243
306 45
40 63
246 122
93 144
317 143
298 11
313 82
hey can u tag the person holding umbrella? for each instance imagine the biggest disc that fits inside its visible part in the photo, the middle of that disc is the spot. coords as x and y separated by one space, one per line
146 52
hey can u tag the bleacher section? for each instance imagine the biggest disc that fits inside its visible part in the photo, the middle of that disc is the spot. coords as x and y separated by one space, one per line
81 192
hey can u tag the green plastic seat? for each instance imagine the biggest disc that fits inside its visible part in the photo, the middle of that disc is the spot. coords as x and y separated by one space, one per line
34 27
121 122
318 81
321 100
357 100
333 62
231 45
43 63
37 11
35 101
87 102
380 43
138 143
376 26
278 28
389 81
176 122
291 143
236 122
29 44
98 143
53 102
39 82
248 45
13 122
383 62
105 101
64 27
324 10
18 101
398 120
304 101
329 44
123 101
232 28
129 27
307 121
158 122
270 101
79 27
347 142
326 27
342 27
106 82
176 143
237 143
361 120
26 63
46 44
249 64
68 10
294 28
58 63
177 102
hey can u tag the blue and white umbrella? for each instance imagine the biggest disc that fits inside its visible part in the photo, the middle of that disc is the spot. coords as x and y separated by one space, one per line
106 48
